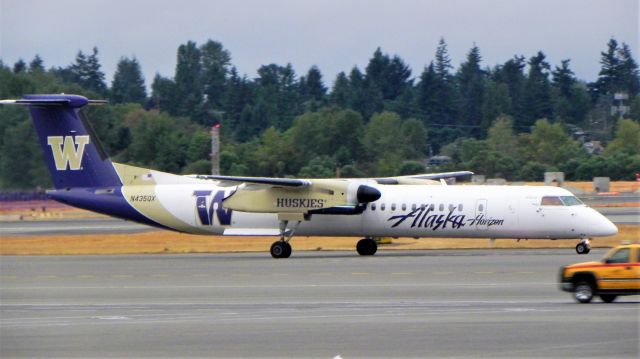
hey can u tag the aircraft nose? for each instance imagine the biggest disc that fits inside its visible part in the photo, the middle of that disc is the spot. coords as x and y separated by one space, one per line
600 226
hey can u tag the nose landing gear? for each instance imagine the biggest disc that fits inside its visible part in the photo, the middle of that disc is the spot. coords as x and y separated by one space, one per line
583 247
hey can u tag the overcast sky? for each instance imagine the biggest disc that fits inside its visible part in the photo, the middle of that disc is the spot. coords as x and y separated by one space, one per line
335 35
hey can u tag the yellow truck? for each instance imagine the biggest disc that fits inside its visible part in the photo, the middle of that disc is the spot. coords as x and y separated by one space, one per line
617 274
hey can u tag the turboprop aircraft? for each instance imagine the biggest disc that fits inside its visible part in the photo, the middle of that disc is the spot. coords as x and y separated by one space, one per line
407 206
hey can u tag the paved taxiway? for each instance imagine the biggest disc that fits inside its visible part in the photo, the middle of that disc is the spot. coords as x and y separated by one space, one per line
496 303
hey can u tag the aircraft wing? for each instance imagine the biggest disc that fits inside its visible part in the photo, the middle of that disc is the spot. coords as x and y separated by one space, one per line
227 181
421 178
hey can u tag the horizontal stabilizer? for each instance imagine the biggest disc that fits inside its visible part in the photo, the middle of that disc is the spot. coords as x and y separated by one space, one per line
54 100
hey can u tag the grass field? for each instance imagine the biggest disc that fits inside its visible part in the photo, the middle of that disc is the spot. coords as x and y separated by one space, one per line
170 242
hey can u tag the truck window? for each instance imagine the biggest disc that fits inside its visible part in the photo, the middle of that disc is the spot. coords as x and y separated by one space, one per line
621 256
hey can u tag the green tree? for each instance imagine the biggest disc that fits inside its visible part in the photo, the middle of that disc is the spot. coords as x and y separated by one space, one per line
215 69
158 141
537 96
501 137
630 76
471 82
21 164
411 168
19 67
627 138
36 65
619 71
496 102
341 92
238 95
199 147
635 108
366 96
163 94
311 86
550 145
86 72
128 83
277 89
318 167
413 140
388 75
511 73
188 82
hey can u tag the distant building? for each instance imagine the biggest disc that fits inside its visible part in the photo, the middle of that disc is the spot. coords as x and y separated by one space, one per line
439 160
619 107
593 147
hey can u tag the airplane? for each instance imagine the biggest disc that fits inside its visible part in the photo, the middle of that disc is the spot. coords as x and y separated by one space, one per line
418 206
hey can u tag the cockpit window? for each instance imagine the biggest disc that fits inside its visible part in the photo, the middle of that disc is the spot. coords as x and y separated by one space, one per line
551 201
570 201
560 201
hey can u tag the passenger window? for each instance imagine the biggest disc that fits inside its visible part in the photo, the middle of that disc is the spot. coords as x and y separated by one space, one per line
373 206
451 207
441 207
460 207
393 206
480 207
413 207
382 207
404 207
551 201
621 256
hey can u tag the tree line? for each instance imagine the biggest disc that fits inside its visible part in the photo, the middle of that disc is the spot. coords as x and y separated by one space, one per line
515 120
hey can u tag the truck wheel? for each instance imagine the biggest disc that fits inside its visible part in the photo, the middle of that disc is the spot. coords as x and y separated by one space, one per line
608 298
583 292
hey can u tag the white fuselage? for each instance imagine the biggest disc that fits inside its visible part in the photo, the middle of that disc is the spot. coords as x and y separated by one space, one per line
402 211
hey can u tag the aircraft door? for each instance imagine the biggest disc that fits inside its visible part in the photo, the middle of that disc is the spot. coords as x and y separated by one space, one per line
481 215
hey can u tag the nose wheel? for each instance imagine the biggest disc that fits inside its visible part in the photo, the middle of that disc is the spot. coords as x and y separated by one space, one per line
583 247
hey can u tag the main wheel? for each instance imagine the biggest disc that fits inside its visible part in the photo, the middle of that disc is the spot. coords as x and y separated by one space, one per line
583 292
281 249
582 248
367 247
608 298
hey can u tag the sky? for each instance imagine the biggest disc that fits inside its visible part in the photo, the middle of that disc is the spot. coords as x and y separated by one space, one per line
335 35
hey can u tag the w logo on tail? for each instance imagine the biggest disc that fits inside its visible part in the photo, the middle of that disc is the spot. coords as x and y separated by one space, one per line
67 151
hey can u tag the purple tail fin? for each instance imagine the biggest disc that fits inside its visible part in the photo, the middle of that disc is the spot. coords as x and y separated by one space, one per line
71 150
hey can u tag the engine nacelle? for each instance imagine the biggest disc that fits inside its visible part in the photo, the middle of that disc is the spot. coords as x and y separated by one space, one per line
321 194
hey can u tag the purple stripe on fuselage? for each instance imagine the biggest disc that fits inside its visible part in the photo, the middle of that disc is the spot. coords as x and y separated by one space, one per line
109 201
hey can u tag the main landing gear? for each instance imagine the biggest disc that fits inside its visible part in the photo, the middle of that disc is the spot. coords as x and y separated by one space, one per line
583 247
282 248
367 246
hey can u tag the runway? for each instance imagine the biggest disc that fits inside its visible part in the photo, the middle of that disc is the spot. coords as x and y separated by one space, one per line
499 303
